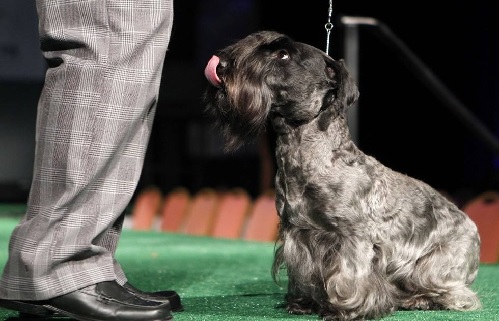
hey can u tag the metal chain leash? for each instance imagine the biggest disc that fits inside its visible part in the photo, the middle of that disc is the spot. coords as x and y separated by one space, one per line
329 25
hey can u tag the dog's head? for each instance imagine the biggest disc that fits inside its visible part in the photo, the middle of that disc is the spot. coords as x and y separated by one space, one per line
267 74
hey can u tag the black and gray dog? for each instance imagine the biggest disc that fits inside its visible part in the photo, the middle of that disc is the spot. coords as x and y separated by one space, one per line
357 239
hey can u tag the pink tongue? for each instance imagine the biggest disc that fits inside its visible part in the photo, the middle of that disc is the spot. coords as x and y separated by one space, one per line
211 71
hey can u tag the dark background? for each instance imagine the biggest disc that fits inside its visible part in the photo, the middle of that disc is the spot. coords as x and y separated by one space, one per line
401 122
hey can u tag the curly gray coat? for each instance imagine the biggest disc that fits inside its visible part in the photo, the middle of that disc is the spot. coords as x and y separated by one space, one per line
357 239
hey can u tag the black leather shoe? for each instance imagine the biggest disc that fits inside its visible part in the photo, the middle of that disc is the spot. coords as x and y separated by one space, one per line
160 296
107 301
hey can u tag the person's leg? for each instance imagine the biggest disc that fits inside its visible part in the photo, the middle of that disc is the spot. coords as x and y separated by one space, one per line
94 120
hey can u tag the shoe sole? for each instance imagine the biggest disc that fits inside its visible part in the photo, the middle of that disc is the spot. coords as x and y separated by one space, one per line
26 308
33 311
80 318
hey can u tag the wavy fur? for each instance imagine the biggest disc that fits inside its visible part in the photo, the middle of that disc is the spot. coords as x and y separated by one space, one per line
357 239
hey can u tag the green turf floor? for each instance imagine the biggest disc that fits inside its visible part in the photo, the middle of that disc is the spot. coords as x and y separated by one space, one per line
229 280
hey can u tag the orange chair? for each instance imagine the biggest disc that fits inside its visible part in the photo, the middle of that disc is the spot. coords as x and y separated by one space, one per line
231 214
484 211
145 208
201 213
263 222
174 209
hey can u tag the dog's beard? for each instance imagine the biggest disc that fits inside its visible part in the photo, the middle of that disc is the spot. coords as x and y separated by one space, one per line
240 109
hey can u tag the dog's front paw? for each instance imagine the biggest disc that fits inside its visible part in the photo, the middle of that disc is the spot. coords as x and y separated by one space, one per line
296 308
420 303
340 315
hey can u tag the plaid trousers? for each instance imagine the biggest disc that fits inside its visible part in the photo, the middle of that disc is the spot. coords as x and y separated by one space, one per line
94 120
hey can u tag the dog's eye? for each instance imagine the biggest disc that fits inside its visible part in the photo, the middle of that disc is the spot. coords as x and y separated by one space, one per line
283 54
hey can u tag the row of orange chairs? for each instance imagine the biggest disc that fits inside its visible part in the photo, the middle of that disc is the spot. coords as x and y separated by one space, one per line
231 214
484 211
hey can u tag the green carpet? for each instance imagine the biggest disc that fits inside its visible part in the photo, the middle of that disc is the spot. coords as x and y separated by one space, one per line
229 280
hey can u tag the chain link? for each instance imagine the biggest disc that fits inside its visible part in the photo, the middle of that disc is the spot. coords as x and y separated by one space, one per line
329 25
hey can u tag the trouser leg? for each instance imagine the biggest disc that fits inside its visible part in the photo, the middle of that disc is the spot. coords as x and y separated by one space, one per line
94 120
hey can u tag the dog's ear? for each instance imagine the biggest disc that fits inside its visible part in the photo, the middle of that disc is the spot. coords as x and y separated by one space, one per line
345 95
348 87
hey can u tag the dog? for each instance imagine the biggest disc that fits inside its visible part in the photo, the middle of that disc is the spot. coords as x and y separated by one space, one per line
357 239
